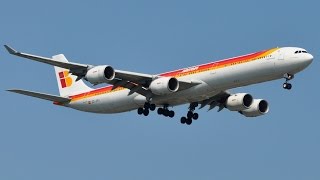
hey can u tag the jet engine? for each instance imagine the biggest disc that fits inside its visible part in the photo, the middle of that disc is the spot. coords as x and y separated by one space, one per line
258 107
100 74
164 85
239 102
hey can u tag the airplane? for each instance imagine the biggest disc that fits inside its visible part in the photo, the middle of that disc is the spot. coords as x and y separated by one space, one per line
199 86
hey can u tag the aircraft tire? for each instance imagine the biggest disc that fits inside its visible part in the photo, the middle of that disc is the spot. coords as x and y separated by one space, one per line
146 112
195 116
146 105
171 114
190 114
166 113
140 111
152 107
160 111
183 120
189 121
289 86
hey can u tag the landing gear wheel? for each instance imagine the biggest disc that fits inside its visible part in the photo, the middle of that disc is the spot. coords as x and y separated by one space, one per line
287 86
146 105
152 107
190 114
171 114
284 85
189 121
160 111
140 111
166 113
195 116
183 120
146 112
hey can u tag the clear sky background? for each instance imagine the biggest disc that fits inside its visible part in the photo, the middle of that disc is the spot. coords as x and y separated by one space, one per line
41 141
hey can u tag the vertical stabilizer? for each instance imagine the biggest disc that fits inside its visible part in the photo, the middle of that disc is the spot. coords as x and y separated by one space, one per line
67 82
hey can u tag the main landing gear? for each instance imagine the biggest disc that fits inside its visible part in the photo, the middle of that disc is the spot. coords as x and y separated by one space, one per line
151 107
165 112
191 115
145 110
287 85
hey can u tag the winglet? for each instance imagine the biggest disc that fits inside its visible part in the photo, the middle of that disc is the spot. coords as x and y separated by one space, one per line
11 50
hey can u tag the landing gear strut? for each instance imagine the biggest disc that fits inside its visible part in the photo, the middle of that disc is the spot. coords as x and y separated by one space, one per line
191 115
287 85
145 110
165 112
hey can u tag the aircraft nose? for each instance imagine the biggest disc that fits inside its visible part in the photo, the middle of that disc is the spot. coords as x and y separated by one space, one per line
309 58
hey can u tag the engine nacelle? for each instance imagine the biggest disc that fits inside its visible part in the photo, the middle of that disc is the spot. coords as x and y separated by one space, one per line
164 85
239 101
259 107
100 74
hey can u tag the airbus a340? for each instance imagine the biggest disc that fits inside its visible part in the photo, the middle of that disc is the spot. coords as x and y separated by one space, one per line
199 86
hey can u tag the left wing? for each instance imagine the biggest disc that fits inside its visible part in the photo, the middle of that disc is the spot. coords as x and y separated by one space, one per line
75 68
136 82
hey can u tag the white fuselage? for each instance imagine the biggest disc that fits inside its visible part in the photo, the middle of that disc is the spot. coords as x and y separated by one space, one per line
241 73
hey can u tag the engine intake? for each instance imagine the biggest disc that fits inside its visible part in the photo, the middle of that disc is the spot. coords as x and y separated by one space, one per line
100 74
239 101
164 85
259 107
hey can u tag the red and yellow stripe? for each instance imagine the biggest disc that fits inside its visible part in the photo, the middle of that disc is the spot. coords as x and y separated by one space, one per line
221 64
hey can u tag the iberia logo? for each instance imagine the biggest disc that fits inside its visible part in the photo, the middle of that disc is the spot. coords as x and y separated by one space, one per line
65 79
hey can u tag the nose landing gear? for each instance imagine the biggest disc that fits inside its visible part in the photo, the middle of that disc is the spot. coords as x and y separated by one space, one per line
287 85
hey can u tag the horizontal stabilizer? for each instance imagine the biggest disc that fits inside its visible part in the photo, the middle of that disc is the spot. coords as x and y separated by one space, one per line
48 97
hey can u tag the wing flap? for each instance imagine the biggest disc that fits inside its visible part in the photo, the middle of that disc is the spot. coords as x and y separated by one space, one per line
135 77
44 96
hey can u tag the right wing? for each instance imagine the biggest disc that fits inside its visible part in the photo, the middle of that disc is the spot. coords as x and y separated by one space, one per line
218 100
44 96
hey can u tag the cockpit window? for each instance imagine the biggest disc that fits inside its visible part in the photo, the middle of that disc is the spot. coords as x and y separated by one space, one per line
297 52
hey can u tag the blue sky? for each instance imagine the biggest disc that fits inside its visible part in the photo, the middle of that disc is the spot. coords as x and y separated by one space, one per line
42 141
